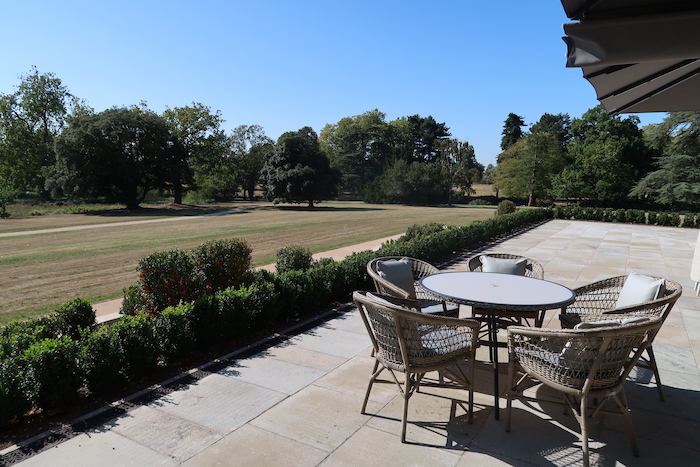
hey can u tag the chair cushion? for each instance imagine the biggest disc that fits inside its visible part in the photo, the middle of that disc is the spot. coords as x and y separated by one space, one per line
399 273
503 265
639 289
610 322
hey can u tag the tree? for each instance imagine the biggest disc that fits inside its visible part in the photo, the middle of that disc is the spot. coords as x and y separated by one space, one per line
426 135
412 183
676 182
609 156
199 131
459 164
30 119
528 167
558 125
299 171
121 152
512 130
250 149
359 147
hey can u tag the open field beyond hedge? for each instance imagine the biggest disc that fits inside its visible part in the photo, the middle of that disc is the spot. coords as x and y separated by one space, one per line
43 270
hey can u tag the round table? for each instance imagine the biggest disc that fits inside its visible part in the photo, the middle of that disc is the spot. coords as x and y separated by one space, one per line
492 293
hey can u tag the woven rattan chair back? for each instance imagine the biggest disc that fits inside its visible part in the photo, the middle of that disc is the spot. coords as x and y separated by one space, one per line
596 302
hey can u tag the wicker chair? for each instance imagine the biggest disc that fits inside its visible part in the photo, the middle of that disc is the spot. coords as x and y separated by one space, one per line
414 343
532 269
596 302
429 303
589 366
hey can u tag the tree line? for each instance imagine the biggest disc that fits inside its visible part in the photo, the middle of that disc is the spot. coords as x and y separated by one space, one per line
600 159
54 144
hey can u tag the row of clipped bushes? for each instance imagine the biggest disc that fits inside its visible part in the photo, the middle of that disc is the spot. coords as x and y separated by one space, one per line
634 216
49 362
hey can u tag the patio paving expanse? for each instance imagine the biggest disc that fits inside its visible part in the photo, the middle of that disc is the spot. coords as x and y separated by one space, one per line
297 403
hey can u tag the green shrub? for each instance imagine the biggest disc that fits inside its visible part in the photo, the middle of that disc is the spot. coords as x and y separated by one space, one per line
173 334
690 220
134 301
222 263
505 207
18 336
653 218
637 216
13 400
293 258
419 230
101 361
74 316
674 219
134 340
52 376
166 278
663 219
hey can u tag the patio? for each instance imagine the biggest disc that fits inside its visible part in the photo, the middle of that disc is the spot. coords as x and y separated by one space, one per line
296 401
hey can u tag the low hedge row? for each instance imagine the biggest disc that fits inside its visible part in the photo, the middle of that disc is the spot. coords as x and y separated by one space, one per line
47 362
634 216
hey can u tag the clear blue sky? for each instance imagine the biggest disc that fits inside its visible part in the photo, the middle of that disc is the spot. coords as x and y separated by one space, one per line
288 64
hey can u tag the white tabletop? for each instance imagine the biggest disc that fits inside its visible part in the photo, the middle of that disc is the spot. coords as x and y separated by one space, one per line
494 290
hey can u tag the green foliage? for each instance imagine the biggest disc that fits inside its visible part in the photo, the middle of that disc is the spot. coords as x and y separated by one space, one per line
419 230
134 300
101 360
121 153
505 207
250 148
512 130
13 393
166 278
411 183
75 316
173 333
52 375
293 258
133 339
652 218
222 263
298 171
7 196
675 183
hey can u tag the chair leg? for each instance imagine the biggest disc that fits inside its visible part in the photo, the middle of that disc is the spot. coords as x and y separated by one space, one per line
372 379
583 418
406 395
655 369
509 393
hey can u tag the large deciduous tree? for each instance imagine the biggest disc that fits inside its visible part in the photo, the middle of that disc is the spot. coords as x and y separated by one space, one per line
199 131
558 125
250 149
459 165
608 158
298 171
426 134
30 119
120 153
526 168
359 147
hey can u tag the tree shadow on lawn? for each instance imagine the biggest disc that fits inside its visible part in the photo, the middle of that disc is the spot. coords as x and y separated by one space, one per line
304 208
171 210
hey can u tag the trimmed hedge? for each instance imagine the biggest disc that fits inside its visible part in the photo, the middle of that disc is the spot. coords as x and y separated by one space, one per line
45 362
636 216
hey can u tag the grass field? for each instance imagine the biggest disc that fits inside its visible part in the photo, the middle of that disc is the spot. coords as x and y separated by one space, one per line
42 270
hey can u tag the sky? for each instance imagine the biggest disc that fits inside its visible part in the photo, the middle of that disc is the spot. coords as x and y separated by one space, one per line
287 64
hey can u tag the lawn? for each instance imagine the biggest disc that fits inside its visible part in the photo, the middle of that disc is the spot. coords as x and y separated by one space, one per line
43 270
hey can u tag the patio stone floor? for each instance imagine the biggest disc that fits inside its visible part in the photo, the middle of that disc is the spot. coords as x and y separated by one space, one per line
297 402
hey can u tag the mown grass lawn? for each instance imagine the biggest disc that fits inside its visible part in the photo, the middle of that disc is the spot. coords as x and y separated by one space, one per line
40 271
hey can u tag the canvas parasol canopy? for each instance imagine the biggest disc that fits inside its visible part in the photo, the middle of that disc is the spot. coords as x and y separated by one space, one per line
639 55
